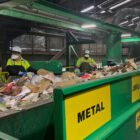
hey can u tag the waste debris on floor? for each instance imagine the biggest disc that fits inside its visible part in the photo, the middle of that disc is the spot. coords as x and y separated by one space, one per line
28 89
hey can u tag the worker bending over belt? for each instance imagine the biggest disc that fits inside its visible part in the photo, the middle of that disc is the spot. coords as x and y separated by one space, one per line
16 64
86 63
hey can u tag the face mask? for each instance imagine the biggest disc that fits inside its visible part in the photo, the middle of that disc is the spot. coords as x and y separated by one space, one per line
14 57
86 57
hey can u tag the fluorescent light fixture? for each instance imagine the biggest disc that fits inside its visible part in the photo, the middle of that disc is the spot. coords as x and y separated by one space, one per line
135 18
123 22
119 4
89 26
125 35
87 9
102 12
99 6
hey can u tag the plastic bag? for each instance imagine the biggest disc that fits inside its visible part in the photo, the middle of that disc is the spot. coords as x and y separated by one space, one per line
11 89
36 79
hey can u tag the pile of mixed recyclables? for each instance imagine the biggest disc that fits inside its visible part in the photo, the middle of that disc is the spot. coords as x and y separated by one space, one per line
30 88
114 70
20 91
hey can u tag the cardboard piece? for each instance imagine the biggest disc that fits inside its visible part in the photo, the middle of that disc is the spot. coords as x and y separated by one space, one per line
68 75
42 72
66 83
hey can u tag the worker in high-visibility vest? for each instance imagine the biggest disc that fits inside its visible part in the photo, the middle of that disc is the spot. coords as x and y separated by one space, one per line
16 65
86 63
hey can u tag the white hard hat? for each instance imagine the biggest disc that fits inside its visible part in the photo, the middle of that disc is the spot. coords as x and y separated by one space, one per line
86 51
16 49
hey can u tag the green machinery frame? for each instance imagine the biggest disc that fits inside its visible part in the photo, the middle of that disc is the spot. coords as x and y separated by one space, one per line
123 112
130 40
70 40
36 122
6 137
53 66
67 19
122 109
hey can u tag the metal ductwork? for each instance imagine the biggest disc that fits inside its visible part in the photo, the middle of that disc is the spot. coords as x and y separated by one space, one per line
138 27
119 16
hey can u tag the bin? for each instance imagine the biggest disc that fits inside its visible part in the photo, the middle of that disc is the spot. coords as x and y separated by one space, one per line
104 109
53 66
35 122
107 108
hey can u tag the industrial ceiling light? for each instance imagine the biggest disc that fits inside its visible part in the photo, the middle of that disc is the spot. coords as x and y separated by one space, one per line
125 35
89 26
119 4
131 24
99 6
135 18
103 11
110 11
87 9
123 22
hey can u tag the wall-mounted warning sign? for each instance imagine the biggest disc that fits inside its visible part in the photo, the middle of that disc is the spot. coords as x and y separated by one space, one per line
135 88
86 112
137 120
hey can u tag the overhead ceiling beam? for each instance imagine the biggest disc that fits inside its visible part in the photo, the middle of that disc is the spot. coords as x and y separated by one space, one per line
43 19
62 1
51 8
62 12
28 32
14 3
130 40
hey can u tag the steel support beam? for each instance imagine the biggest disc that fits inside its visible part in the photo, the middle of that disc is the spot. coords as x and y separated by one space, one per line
82 42
130 40
54 9
70 40
59 11
42 19
68 52
114 47
14 3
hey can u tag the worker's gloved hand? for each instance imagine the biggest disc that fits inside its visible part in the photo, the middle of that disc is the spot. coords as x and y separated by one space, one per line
22 73
77 71
95 67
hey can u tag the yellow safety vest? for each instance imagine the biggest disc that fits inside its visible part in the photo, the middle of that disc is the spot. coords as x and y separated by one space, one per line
22 62
89 60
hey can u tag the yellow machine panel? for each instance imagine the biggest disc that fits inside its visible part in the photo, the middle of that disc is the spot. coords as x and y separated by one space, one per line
135 88
87 111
